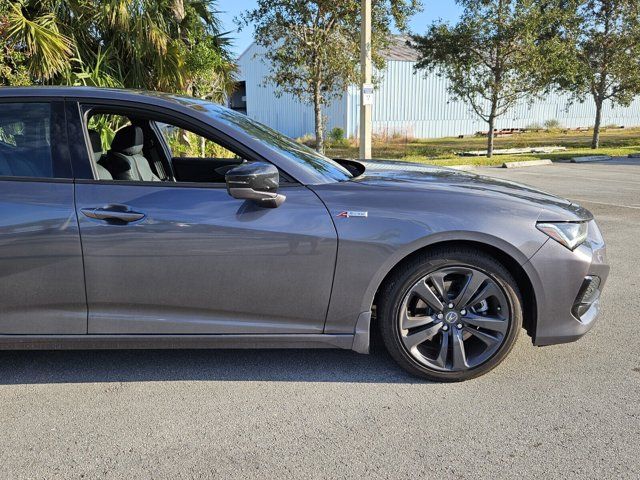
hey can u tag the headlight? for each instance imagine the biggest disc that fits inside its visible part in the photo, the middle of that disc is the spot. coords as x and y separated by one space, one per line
569 234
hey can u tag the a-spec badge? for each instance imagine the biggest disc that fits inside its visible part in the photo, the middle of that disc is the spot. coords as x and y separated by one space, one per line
349 214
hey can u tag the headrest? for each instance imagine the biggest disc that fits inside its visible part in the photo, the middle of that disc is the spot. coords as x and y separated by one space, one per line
96 144
128 140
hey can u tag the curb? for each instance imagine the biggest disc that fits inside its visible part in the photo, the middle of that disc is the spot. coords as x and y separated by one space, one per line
527 163
513 151
593 158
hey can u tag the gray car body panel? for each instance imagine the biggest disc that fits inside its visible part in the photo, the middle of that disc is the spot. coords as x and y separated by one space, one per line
556 288
410 211
202 262
233 273
42 289
239 341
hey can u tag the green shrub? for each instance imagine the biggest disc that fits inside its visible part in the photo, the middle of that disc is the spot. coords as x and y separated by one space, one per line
336 135
552 124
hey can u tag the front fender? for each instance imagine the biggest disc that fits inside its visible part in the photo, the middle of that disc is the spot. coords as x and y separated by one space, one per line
395 227
435 239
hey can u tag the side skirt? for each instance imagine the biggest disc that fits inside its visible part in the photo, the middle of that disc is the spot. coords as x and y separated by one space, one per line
109 342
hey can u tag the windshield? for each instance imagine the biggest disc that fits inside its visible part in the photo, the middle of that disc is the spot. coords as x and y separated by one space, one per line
284 145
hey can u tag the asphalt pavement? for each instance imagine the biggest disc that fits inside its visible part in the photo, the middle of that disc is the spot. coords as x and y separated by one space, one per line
567 411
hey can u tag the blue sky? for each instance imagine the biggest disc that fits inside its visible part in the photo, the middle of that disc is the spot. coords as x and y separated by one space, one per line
229 9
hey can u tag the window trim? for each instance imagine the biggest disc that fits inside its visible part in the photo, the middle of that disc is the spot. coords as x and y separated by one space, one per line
127 183
11 178
166 151
83 106
59 142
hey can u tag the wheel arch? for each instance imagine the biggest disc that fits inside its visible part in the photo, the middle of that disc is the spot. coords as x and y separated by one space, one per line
511 258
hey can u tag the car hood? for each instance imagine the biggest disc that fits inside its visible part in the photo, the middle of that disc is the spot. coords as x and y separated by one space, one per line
404 175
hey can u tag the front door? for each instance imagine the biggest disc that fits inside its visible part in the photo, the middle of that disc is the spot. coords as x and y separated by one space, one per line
164 256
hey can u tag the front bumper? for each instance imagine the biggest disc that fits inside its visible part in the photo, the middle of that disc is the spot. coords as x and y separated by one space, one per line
566 307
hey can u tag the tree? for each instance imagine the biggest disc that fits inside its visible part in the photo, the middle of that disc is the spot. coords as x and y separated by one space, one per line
169 45
32 43
313 48
13 70
493 56
602 56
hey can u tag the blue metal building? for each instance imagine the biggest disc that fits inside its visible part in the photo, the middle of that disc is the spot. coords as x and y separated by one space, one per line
406 103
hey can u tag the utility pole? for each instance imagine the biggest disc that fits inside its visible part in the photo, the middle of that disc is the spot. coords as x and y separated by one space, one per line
366 87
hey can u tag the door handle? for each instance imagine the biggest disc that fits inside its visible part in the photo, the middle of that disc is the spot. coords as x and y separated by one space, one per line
115 212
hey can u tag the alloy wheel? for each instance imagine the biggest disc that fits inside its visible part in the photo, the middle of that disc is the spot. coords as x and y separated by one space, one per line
454 319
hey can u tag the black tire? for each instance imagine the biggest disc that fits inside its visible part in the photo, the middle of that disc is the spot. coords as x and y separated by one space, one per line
398 286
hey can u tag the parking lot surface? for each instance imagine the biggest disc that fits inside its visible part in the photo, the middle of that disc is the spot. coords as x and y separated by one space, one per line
568 411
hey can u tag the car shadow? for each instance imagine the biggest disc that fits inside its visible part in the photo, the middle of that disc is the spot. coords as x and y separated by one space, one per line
48 367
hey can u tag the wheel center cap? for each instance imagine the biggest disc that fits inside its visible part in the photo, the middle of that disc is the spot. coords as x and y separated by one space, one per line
451 317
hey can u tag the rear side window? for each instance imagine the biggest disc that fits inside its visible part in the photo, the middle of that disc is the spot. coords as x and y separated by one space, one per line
26 140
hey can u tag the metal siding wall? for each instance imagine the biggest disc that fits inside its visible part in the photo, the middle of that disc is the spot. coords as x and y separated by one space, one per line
413 105
285 114
419 106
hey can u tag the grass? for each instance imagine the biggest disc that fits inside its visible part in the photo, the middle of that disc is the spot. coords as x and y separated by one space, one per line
445 151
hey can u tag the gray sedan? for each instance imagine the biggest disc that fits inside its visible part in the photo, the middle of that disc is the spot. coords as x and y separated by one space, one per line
140 220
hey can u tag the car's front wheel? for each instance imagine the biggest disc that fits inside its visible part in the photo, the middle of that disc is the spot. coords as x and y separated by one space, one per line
450 314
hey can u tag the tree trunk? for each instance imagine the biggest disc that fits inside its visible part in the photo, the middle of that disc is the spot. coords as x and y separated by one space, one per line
317 108
491 136
595 143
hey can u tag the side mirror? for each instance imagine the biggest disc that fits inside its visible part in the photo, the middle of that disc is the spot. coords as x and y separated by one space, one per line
257 181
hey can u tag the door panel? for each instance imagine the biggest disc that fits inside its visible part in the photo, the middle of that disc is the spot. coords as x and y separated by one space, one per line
42 279
201 169
201 262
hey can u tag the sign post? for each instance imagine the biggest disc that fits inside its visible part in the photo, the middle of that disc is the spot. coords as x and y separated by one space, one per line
366 90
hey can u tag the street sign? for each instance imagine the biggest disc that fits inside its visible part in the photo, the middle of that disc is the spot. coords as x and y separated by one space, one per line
367 94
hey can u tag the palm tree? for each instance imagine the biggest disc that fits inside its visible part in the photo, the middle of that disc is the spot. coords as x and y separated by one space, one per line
169 45
48 50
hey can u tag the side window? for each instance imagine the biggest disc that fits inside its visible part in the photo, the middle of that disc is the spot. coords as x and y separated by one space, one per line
106 125
195 158
118 148
25 140
101 129
126 146
183 143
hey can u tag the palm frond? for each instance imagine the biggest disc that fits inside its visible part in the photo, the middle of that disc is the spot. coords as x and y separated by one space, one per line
48 49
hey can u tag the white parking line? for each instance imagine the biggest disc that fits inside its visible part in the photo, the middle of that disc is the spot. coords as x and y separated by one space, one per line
563 175
584 200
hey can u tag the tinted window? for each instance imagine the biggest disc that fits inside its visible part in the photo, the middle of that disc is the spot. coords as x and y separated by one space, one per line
195 158
106 125
25 140
183 143
295 151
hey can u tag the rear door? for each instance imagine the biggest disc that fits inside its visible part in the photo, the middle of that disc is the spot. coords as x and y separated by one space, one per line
41 273
184 257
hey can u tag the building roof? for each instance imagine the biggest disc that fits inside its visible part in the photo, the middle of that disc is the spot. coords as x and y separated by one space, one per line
399 50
